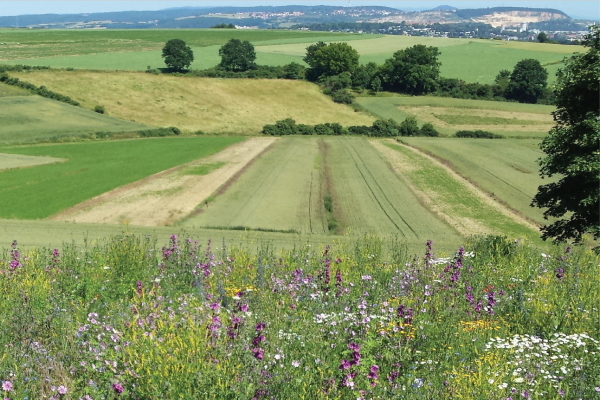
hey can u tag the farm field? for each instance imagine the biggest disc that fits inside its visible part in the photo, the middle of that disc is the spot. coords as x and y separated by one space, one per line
449 115
31 118
453 199
19 44
164 198
457 55
135 50
506 168
281 191
240 106
92 168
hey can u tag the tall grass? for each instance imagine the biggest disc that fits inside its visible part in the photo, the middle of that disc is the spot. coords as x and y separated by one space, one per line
124 318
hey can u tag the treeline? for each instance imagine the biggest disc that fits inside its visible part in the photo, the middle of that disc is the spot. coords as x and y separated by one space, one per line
416 71
380 128
39 90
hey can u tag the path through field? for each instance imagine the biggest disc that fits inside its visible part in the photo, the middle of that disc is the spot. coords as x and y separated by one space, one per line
168 196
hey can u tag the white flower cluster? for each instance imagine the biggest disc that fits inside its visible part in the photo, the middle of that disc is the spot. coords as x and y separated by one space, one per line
538 362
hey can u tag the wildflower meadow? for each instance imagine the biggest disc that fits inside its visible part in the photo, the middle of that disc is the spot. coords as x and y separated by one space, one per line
126 318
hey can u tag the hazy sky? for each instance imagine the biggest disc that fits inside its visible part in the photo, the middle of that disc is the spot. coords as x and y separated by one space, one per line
589 9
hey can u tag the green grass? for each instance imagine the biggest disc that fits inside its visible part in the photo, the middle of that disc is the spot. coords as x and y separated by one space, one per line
506 168
31 118
453 199
368 197
8 90
92 169
537 119
29 44
280 191
473 60
476 120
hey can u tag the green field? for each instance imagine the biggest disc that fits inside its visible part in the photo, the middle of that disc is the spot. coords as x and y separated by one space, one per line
285 189
506 168
138 49
453 199
449 115
19 44
92 169
31 118
473 60
240 106
281 191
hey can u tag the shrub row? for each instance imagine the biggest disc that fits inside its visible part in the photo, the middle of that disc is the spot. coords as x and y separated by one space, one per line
478 134
290 71
20 67
41 91
380 128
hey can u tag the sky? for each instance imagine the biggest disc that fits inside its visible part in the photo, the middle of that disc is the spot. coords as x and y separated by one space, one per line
587 9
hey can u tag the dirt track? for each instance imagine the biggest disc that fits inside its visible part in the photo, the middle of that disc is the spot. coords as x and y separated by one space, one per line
163 198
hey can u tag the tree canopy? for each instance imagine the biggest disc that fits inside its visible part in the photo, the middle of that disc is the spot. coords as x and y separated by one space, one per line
177 54
332 59
413 70
527 81
237 56
572 151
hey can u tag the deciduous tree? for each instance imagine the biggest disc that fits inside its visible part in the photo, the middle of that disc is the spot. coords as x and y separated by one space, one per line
572 149
237 56
177 54
527 81
414 70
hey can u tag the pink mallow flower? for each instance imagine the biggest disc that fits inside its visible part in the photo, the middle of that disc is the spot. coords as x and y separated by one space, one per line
7 386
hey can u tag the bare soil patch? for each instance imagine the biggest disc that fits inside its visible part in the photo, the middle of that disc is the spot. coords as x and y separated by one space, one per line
431 200
168 196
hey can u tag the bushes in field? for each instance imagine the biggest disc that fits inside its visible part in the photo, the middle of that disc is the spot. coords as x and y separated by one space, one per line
380 128
478 134
41 90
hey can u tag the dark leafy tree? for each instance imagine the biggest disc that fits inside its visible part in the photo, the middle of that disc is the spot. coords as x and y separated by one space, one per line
237 56
294 70
572 149
333 59
428 130
527 81
542 37
414 70
409 127
177 54
313 73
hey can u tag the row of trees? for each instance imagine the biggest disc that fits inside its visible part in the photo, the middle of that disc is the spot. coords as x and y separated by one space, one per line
416 70
236 56
380 128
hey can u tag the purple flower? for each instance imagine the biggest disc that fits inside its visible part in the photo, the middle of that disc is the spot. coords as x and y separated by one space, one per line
260 326
62 389
117 387
259 353
257 340
7 386
345 364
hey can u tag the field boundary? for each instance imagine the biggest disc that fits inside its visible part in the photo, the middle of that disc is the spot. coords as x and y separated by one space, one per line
477 190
